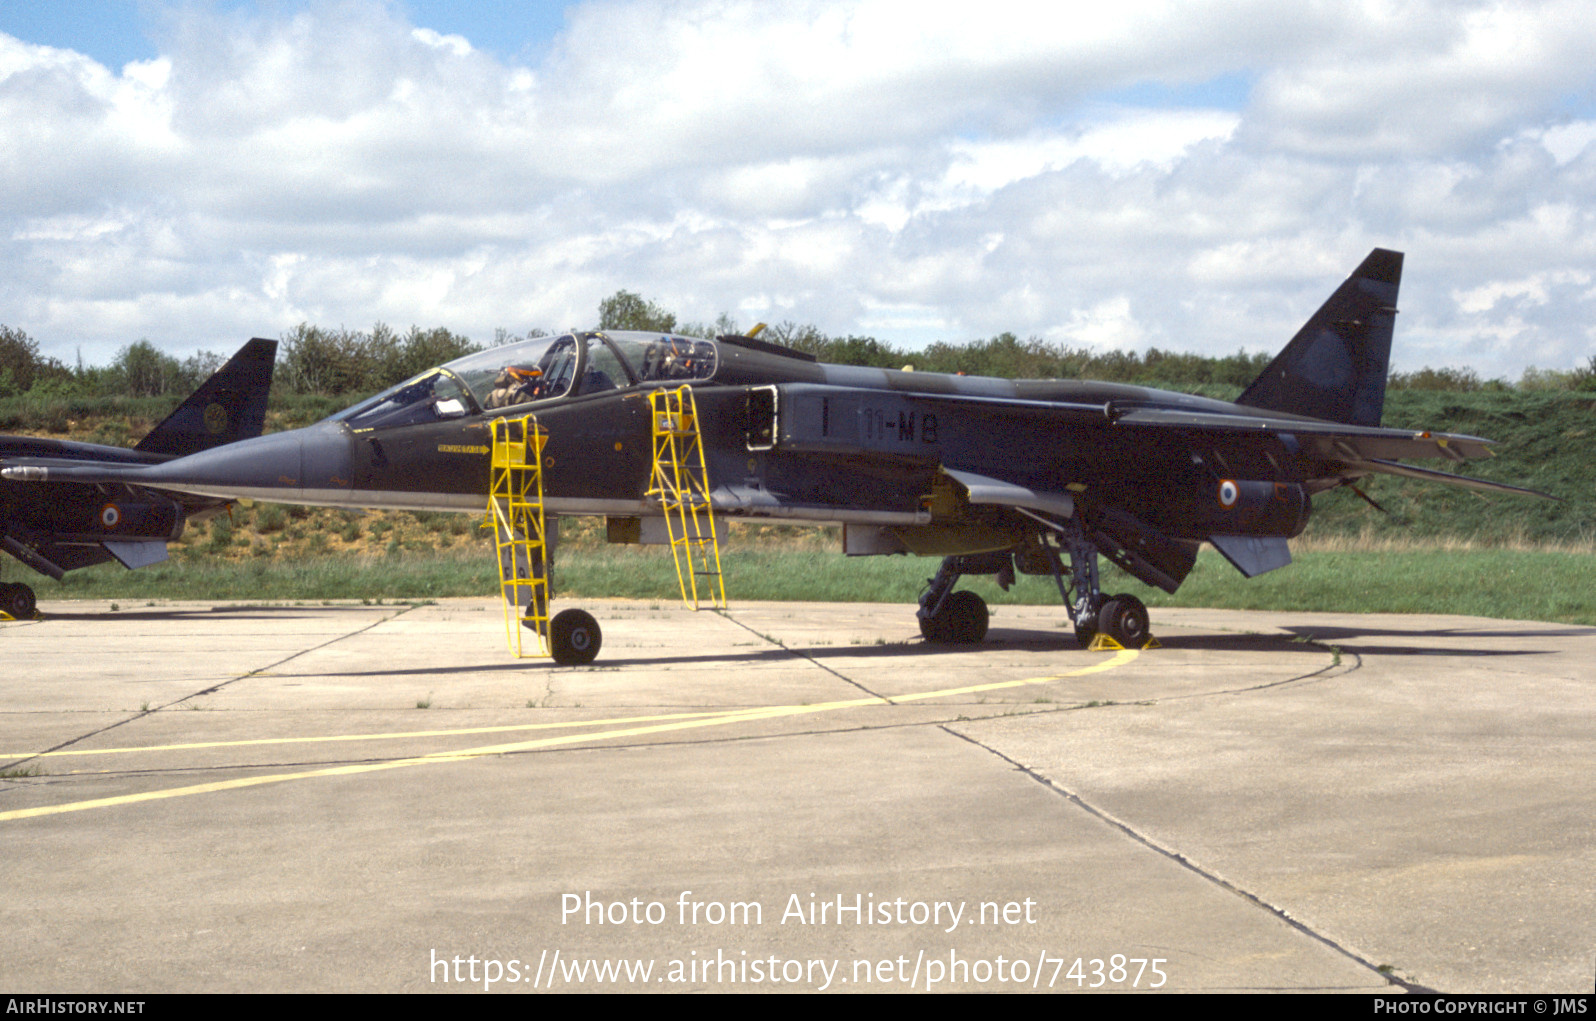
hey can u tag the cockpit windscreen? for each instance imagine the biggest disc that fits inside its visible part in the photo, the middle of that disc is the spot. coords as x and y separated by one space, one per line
540 369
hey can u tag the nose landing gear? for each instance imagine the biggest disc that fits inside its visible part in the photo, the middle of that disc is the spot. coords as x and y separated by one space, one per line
574 637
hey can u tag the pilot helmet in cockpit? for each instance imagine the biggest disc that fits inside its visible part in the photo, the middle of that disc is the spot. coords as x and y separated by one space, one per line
515 385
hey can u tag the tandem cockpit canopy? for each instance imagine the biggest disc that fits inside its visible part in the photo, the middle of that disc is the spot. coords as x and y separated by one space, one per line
540 369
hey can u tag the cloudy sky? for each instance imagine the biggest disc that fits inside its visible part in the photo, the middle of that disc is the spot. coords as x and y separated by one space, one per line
1194 176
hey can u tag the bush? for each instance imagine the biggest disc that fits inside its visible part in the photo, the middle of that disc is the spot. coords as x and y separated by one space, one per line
349 362
221 533
270 518
1453 380
21 367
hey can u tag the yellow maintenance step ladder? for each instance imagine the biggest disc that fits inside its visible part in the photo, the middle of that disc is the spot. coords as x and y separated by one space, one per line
681 483
515 508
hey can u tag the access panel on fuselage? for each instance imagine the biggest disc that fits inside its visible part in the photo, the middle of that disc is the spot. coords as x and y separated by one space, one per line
599 446
443 458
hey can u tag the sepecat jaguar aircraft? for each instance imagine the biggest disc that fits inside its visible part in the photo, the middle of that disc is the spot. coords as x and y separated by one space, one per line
993 476
59 528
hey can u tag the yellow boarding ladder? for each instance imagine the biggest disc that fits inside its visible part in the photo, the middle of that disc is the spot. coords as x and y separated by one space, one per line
515 506
681 482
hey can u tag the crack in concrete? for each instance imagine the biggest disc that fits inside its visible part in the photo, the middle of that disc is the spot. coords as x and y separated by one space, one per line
212 689
1188 864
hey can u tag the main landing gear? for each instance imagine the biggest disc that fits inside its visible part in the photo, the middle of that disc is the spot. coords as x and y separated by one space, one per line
1124 619
948 617
17 600
959 619
1121 618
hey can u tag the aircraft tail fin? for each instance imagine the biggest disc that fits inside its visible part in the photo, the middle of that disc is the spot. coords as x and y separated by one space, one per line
229 406
1335 367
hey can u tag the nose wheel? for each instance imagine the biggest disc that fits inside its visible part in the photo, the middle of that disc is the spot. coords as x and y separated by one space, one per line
574 637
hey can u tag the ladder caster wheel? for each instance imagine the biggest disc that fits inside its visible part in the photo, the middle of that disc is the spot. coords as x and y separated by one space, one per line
574 637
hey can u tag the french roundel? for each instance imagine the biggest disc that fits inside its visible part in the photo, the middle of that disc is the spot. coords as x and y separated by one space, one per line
110 516
1229 493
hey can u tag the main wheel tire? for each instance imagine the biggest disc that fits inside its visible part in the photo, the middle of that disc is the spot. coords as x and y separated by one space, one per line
574 637
968 617
1124 619
962 620
17 600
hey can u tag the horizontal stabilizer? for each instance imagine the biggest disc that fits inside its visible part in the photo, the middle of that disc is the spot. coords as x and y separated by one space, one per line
134 555
1382 467
1253 555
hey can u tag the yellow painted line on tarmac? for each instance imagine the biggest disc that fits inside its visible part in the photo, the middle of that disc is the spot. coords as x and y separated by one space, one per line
700 720
773 712
387 736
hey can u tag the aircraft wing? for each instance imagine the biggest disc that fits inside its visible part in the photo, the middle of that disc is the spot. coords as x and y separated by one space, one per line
1382 467
1331 441
1121 466
1351 451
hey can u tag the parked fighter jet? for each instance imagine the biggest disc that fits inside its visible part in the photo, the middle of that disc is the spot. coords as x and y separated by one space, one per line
991 475
66 525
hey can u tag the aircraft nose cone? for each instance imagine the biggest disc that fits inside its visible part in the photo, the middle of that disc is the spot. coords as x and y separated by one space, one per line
304 465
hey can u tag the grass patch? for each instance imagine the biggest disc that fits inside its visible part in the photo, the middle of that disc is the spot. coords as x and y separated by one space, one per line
1549 585
1511 584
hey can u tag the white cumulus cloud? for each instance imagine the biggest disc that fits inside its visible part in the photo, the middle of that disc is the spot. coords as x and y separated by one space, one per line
1196 176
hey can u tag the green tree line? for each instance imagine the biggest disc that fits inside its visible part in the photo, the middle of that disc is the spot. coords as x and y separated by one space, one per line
348 363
